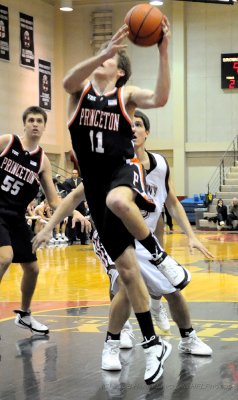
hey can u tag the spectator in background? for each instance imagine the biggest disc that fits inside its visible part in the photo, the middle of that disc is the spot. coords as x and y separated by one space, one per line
59 185
233 213
74 233
73 182
43 212
30 214
221 214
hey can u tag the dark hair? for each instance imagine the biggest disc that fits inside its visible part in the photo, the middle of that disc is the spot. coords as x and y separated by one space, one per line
124 64
34 110
145 119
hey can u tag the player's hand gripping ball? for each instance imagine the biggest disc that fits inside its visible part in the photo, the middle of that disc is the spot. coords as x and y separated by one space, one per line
145 25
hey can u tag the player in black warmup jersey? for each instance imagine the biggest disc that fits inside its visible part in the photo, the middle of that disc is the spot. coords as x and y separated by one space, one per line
100 112
23 167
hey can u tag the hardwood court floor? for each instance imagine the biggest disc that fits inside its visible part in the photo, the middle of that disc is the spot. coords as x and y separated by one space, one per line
72 299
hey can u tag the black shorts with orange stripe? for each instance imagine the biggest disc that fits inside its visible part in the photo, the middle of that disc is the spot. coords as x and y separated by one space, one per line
113 233
132 175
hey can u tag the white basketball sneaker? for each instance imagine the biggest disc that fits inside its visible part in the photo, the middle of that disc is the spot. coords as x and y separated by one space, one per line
193 345
155 358
126 336
160 315
110 356
177 275
25 320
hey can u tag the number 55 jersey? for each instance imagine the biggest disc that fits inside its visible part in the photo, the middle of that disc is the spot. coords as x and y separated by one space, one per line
19 176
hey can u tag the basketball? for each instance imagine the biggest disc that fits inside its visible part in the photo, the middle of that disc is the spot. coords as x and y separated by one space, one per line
144 23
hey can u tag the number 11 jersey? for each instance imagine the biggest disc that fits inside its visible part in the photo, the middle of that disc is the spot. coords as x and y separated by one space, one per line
101 131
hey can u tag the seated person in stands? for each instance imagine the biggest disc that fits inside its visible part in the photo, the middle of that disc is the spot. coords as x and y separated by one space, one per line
75 232
43 212
221 213
59 186
30 214
60 229
233 214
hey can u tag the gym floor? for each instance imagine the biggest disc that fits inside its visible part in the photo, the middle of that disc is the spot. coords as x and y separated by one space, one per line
72 299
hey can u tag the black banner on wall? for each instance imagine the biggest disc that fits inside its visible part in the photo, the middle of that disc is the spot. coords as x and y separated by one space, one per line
45 84
27 40
4 33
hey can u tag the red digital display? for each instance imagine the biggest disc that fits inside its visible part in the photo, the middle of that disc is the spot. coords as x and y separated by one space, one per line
229 71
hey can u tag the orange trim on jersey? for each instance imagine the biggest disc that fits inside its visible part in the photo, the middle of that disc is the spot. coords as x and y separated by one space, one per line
142 179
9 145
84 92
134 160
122 105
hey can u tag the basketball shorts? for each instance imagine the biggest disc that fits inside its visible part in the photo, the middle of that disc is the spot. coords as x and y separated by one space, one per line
132 174
156 282
15 232
113 233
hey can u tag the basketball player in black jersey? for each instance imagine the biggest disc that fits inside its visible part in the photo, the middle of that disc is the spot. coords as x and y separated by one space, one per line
23 167
100 112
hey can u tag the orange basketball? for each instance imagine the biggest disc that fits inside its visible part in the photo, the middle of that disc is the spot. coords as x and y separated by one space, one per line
144 23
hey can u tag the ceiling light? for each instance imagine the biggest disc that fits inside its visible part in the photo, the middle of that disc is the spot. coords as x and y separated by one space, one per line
66 5
156 2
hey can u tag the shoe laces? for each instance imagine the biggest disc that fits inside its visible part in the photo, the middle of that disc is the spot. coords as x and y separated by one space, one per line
192 338
173 270
159 257
113 347
146 341
129 333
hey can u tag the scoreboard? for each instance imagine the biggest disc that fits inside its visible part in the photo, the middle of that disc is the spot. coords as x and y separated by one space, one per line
229 71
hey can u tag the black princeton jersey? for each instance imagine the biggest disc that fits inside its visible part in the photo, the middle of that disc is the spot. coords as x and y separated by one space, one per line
101 130
19 179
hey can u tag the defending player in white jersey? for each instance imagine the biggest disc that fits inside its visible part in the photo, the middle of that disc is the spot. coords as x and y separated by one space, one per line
161 189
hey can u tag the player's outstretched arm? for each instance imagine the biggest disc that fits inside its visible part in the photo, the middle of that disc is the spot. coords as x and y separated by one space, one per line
177 212
65 208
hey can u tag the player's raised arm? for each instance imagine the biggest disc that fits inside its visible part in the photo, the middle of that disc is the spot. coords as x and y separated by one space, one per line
75 79
144 98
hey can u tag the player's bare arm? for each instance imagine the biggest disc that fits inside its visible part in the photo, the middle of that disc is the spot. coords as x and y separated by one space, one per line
65 208
177 212
4 141
76 78
85 223
144 98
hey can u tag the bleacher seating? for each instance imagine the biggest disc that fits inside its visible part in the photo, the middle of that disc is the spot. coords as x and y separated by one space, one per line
191 203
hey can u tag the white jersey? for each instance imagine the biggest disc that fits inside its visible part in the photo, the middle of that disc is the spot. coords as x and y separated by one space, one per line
157 187
156 282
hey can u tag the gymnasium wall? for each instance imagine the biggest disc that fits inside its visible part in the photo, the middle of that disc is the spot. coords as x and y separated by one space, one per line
199 120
